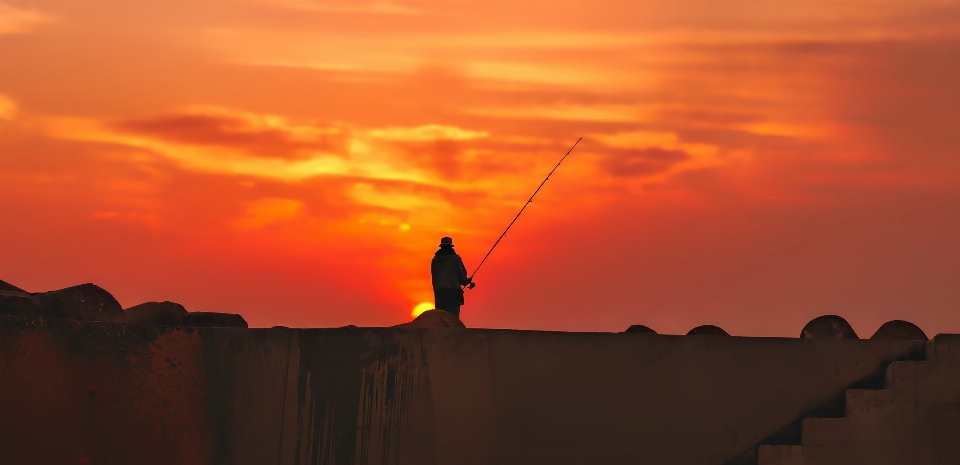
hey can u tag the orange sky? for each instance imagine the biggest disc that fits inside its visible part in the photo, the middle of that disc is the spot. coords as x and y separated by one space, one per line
745 163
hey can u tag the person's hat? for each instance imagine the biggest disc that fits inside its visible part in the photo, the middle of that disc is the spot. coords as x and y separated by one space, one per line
446 241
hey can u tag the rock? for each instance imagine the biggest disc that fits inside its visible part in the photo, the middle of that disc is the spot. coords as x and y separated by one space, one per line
84 302
154 313
18 303
640 329
213 319
707 330
900 330
434 319
828 327
5 286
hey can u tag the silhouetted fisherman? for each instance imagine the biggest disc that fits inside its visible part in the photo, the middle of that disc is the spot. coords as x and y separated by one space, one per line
449 276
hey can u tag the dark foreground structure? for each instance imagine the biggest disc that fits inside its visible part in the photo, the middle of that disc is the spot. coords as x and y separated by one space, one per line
120 393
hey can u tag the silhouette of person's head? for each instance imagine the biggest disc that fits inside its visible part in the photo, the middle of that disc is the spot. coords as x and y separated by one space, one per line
446 242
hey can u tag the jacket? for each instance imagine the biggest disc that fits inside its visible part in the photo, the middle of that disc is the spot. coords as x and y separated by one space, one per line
447 270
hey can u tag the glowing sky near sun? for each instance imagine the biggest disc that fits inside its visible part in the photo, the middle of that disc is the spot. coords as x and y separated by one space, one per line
745 163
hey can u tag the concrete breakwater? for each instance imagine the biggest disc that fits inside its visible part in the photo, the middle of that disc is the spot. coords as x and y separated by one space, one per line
96 392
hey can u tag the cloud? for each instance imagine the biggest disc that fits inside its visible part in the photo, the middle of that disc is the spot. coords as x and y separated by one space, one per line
557 74
15 20
231 142
375 7
225 160
642 162
268 211
151 220
8 108
262 135
426 133
565 112
660 153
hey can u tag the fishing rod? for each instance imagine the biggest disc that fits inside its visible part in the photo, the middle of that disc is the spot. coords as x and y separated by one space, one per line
470 279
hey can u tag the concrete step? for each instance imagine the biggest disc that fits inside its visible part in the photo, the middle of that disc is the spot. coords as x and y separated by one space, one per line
944 347
780 455
863 401
902 376
825 431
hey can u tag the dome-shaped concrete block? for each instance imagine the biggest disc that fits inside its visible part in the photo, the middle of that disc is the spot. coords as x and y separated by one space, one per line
5 286
154 313
214 320
640 329
18 302
900 330
828 327
84 302
707 330
434 319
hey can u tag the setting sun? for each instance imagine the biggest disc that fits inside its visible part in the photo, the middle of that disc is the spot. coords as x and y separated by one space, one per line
420 308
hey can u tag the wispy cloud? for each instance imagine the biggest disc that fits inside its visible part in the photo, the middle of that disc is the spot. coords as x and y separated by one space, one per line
8 108
426 133
268 211
656 154
226 141
15 20
258 134
368 7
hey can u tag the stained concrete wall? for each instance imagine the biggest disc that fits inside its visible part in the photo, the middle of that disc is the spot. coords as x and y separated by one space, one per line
74 393
127 394
913 420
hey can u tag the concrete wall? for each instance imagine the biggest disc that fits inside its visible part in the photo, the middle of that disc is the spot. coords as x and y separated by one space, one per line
914 420
128 394
74 392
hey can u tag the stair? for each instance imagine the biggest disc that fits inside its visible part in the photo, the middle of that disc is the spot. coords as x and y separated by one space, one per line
913 420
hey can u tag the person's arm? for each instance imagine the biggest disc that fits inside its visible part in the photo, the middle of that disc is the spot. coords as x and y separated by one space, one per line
464 279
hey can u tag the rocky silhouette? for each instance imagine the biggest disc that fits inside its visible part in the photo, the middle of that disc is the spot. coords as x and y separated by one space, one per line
154 313
213 319
18 302
5 286
89 302
900 330
84 302
828 327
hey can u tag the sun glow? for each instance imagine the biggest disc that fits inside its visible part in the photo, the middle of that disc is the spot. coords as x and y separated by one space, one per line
421 307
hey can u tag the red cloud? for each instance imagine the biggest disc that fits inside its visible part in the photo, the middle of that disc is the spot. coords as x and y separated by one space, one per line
642 162
236 131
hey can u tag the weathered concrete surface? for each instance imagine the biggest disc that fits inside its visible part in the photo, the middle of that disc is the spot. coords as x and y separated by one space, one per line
899 329
153 313
84 302
407 396
828 327
90 302
707 330
112 394
18 303
5 286
213 320
434 319
915 420
640 329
